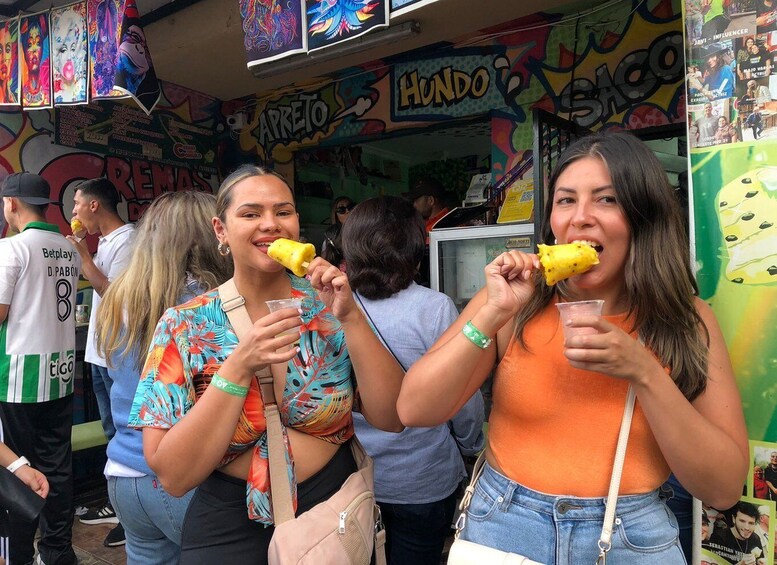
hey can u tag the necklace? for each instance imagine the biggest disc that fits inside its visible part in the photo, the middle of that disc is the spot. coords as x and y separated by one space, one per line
747 545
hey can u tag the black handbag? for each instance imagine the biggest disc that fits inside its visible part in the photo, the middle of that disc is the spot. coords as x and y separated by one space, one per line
17 498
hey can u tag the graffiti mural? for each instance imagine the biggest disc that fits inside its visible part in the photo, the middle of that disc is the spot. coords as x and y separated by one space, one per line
26 145
621 67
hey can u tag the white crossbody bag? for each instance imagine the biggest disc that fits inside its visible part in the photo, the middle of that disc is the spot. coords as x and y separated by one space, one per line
464 552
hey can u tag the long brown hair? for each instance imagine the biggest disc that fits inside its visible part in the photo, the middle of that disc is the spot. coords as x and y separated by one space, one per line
660 286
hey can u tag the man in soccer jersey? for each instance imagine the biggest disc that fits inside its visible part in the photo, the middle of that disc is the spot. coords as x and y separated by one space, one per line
39 272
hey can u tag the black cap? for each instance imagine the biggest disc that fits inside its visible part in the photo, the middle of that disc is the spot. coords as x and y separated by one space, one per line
27 187
426 186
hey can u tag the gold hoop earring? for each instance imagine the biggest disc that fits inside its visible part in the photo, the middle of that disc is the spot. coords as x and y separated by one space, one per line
224 250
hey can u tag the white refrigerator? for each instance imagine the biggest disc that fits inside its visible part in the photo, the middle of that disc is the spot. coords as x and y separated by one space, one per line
457 256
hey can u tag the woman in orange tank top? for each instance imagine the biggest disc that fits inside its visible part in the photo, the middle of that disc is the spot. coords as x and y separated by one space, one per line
557 403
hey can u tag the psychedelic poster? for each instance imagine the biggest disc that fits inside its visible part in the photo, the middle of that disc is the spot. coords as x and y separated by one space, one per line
333 21
69 53
34 57
9 62
104 17
273 29
135 73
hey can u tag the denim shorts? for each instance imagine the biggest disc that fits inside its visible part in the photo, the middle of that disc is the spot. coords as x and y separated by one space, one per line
564 530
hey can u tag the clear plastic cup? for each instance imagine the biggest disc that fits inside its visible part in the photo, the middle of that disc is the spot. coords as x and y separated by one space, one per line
573 310
282 303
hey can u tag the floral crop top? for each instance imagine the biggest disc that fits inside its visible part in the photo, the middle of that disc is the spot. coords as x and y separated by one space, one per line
190 344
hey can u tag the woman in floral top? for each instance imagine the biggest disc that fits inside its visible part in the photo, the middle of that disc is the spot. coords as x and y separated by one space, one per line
197 434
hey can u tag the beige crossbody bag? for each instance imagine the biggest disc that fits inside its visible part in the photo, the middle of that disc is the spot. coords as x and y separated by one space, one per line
345 529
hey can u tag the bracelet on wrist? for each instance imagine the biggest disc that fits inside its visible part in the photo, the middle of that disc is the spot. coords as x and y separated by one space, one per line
476 336
15 465
228 386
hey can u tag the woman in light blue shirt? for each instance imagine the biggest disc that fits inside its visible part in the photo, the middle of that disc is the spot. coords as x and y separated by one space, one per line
417 472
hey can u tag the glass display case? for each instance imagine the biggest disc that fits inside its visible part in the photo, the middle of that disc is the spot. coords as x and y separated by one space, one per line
457 256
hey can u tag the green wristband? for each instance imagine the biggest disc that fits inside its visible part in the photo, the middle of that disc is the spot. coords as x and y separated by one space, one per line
476 336
228 386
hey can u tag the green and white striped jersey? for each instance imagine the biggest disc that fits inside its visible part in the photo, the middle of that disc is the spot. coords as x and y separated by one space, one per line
39 272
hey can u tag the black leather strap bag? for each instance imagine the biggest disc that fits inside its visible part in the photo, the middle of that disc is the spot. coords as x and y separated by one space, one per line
17 498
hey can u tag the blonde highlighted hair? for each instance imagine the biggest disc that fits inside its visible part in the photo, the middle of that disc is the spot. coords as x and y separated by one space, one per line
173 240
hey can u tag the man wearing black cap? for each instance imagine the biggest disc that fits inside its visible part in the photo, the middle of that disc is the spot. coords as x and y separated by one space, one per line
39 272
429 198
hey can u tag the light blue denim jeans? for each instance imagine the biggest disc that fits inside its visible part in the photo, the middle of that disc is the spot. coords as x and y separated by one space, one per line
151 518
560 530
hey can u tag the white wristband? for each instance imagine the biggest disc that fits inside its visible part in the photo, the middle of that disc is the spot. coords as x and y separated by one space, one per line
18 463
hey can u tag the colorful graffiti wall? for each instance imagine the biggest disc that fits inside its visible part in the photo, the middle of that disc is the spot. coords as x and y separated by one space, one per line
176 149
616 67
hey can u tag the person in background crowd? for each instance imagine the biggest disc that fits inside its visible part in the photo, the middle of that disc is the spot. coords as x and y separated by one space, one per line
609 189
96 206
331 249
167 267
341 207
198 381
39 273
430 199
418 471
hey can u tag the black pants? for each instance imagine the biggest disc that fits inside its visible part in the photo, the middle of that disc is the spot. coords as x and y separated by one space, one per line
415 533
41 432
217 530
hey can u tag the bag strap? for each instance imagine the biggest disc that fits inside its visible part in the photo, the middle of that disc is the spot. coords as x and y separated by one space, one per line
282 505
605 542
377 331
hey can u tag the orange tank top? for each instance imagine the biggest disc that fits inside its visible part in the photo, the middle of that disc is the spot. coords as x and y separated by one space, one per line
554 428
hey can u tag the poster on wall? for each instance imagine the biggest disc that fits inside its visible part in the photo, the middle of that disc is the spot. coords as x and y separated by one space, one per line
135 73
9 63
735 216
104 17
273 30
399 7
330 22
34 57
69 53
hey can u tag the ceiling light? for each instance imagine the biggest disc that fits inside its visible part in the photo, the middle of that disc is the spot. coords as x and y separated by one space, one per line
367 41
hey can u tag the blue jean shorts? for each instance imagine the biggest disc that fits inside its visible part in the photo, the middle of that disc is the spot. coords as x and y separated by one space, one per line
564 530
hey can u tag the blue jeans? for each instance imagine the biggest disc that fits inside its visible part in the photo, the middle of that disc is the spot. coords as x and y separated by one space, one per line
681 505
152 519
564 530
101 385
415 533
